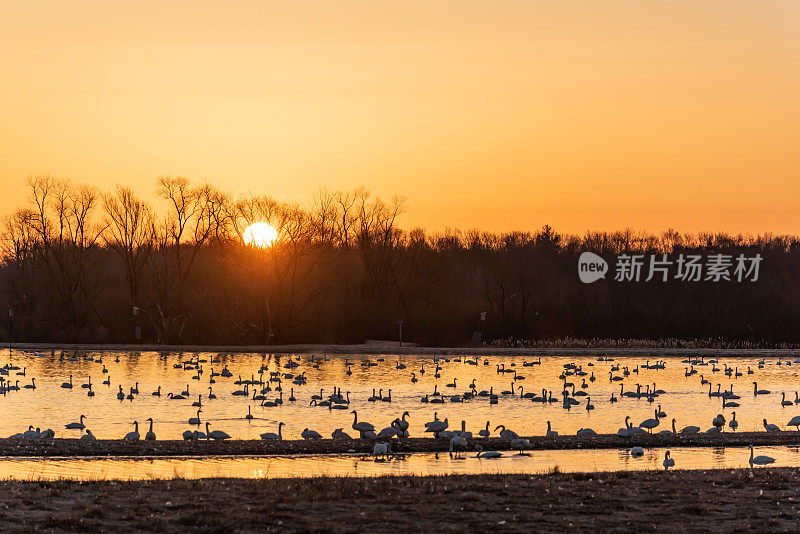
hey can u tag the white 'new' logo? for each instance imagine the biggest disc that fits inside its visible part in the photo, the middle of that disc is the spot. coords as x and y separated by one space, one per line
591 267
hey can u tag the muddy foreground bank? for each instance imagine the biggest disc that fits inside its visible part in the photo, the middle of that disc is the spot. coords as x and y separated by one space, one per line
118 447
761 500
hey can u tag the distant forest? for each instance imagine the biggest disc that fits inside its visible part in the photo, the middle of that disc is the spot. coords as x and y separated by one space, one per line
76 261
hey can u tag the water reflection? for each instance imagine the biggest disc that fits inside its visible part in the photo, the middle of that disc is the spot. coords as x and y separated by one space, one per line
685 398
415 464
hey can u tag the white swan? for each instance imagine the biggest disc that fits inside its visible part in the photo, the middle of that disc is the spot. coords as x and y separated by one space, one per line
521 444
133 436
795 422
668 462
150 436
310 434
457 445
506 432
217 435
272 435
486 455
362 426
195 420
77 426
651 423
770 427
733 424
550 433
760 460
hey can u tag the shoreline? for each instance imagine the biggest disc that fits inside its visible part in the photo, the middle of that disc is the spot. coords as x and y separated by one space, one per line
392 348
62 448
760 500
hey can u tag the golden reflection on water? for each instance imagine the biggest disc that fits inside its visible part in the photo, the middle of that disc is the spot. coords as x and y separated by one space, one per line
50 406
416 464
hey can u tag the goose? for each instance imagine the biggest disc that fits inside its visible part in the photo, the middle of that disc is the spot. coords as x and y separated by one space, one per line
77 426
650 424
310 434
195 420
362 426
784 402
150 436
668 462
217 435
760 460
272 435
67 385
88 436
506 432
550 433
133 436
770 427
486 455
458 445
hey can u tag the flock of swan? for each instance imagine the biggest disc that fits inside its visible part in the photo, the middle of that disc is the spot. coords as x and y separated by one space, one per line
265 389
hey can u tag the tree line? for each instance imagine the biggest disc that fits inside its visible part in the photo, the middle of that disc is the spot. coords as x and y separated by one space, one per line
81 265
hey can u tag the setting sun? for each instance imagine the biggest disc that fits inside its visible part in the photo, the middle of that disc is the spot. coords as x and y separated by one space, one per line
260 234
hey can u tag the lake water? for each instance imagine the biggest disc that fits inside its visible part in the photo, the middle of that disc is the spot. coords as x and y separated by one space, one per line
414 464
50 406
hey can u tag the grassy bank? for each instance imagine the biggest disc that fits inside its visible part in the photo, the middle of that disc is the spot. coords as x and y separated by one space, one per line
732 500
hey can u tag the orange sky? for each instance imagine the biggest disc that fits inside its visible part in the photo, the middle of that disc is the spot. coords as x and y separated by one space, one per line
493 114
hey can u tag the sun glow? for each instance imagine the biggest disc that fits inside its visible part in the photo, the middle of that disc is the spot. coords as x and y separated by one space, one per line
260 234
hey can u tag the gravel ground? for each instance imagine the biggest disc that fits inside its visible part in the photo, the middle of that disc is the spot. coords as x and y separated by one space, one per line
761 500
